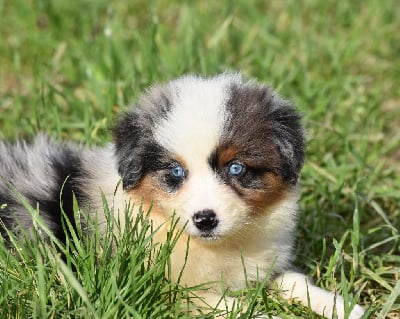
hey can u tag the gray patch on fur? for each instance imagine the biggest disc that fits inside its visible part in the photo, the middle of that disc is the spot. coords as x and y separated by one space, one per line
42 173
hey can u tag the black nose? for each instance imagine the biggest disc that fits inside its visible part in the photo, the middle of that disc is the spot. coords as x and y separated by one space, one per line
205 220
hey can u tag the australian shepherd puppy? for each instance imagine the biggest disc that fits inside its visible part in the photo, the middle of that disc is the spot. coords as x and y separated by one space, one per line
222 153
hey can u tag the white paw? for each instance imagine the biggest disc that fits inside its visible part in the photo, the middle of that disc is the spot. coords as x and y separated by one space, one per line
296 286
355 313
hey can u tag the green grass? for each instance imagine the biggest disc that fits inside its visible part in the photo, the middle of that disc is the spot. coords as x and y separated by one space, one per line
68 67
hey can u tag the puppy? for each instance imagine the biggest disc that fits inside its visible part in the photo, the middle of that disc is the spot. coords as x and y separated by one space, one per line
222 153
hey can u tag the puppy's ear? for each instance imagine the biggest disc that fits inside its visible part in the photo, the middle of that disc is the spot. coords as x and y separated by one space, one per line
270 126
288 137
129 133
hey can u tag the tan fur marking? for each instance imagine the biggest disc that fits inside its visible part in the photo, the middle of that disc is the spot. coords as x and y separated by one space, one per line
274 192
226 155
148 193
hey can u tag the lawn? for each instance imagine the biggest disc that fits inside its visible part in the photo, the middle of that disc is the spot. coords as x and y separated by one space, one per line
68 67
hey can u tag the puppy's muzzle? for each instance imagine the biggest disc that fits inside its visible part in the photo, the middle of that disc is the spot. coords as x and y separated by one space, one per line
205 220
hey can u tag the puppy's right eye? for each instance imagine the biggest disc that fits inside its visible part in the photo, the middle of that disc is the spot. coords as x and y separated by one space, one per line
174 177
178 171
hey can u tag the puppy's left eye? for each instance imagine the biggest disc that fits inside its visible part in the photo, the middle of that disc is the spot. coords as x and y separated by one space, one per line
236 169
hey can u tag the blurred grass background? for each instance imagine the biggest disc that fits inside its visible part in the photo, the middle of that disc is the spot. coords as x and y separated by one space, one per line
68 67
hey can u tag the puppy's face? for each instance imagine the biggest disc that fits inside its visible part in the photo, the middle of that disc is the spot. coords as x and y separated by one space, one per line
217 152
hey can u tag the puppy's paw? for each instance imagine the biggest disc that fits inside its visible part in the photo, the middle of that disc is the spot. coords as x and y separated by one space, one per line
356 313
331 306
297 286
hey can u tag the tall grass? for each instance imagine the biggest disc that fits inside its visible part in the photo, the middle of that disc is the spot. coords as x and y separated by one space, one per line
68 67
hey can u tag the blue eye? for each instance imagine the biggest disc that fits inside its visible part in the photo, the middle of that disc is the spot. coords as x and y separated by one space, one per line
235 169
178 171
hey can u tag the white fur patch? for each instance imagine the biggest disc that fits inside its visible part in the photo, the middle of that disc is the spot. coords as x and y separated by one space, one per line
106 182
195 123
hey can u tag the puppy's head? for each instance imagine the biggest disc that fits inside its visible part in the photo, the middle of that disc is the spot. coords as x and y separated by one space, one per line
219 152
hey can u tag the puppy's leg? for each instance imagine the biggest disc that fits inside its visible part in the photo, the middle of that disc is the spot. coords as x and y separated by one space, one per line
297 286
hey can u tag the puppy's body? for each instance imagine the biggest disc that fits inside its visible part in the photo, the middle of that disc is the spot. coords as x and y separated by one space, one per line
222 153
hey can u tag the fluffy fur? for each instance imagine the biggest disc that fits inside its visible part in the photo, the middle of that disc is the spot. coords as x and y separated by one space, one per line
223 153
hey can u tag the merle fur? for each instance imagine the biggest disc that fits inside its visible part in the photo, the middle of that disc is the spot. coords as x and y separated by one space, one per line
66 172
